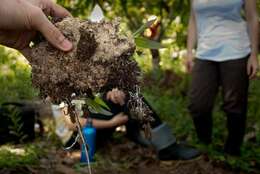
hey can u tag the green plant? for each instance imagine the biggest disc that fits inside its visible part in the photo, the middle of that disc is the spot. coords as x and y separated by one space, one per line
16 126
171 104
15 77
12 157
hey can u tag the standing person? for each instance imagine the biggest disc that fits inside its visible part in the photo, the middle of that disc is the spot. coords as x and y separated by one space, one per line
226 56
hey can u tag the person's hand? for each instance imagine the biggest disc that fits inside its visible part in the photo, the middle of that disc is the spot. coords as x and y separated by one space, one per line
21 19
116 96
119 119
252 66
189 62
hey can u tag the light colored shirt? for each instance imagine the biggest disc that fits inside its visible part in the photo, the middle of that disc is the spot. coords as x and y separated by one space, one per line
221 30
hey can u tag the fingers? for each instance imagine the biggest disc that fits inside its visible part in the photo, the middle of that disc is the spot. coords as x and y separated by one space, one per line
50 32
124 118
189 62
116 96
108 96
251 70
59 11
113 98
52 9
189 66
121 118
122 98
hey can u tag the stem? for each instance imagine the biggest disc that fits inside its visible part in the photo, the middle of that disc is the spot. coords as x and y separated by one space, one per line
83 139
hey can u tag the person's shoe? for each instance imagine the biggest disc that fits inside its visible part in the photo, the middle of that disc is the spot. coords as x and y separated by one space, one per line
178 152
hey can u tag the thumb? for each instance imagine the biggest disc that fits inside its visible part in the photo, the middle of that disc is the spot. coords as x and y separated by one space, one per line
50 32
125 118
188 66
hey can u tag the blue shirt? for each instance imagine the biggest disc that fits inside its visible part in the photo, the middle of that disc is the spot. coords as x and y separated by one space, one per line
221 30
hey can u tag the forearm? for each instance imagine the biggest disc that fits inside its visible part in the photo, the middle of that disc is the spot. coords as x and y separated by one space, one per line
192 34
102 124
98 124
253 26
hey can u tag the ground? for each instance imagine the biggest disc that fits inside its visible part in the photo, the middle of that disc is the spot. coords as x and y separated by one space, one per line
118 157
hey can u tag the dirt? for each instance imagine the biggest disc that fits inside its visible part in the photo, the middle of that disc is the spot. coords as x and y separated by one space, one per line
101 59
121 157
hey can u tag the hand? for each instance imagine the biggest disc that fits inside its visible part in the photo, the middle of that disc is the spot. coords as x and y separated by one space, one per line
116 96
252 66
189 63
20 19
119 120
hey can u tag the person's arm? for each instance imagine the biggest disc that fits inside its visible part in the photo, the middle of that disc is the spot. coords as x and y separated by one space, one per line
253 26
117 120
191 40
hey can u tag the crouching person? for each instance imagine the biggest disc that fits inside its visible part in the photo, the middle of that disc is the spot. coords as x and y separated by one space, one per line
162 138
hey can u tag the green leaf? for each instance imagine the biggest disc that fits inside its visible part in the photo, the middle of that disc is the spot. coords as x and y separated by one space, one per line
94 107
99 101
146 43
143 27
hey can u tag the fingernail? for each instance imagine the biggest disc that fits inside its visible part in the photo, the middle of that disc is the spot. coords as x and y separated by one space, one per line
66 45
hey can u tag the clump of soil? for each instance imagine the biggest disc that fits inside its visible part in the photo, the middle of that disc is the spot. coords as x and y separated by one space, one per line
100 60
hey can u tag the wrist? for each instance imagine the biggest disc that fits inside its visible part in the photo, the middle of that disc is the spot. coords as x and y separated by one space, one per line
111 123
190 54
253 56
89 122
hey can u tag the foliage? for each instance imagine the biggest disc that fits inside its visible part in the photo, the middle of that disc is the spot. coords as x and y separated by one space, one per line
12 157
15 77
171 104
97 105
16 128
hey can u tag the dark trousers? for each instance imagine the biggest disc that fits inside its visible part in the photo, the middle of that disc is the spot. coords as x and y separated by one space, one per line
133 126
207 77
